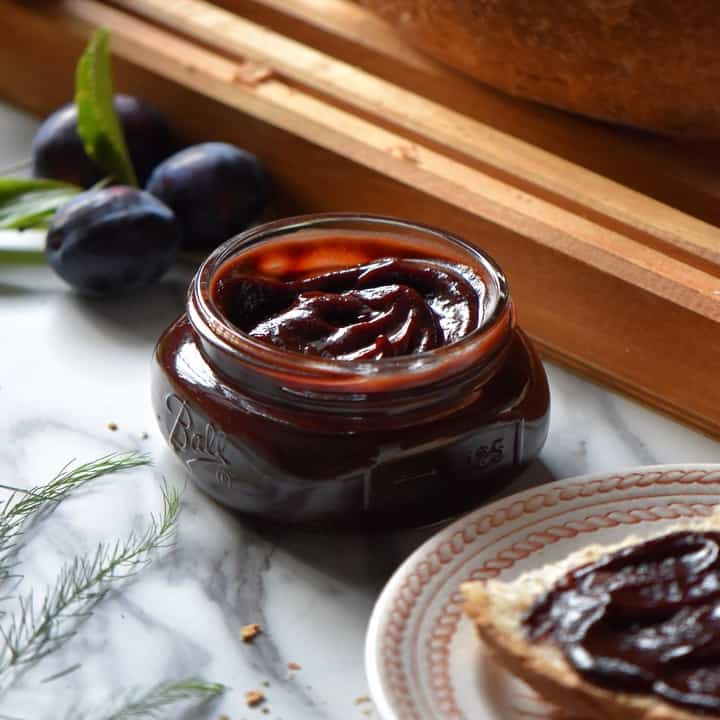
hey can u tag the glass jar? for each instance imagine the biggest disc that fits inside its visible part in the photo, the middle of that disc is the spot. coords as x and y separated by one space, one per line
312 441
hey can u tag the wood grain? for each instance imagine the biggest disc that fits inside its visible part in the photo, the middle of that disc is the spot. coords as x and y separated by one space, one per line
392 105
274 101
646 324
683 175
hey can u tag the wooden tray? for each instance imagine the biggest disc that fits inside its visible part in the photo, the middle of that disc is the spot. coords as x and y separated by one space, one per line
608 236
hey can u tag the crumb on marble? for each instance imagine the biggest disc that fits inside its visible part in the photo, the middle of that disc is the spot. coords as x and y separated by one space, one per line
250 632
265 711
253 698
112 426
224 717
145 436
294 666
265 683
362 699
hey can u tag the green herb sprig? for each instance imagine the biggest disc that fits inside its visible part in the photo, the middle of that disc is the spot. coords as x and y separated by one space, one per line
144 704
34 630
23 508
81 584
26 204
98 123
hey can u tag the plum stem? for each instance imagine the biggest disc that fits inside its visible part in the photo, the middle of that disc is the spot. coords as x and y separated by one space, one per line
22 257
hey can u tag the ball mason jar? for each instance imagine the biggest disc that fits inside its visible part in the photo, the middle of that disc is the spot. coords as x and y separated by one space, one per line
321 442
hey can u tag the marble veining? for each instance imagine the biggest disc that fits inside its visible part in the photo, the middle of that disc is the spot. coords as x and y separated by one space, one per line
68 367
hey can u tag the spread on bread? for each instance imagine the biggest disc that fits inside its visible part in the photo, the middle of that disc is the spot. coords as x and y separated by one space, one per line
645 618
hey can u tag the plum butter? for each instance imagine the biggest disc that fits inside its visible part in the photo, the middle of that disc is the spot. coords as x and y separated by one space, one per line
385 308
350 371
643 619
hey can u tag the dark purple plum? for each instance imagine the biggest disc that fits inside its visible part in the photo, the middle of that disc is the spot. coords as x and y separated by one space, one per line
58 151
215 190
111 240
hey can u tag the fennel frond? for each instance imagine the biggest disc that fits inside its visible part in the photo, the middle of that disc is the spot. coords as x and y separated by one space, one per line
32 632
146 704
22 508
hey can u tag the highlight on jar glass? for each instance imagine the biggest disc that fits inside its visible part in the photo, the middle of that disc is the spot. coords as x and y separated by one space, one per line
351 372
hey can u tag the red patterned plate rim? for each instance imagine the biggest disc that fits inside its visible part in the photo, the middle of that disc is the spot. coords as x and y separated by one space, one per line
447 551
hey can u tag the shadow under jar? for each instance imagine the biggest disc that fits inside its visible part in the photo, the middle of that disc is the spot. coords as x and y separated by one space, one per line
282 420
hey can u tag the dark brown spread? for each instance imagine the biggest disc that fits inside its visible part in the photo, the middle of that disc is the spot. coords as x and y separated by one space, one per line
384 308
254 392
644 619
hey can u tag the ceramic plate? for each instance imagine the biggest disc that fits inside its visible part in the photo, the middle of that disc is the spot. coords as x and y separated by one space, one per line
423 659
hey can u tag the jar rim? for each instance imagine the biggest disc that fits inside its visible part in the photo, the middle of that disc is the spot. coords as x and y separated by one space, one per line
212 324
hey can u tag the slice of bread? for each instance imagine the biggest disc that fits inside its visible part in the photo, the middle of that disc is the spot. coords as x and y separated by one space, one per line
497 609
648 63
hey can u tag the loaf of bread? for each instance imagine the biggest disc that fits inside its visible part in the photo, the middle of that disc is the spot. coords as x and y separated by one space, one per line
649 63
497 609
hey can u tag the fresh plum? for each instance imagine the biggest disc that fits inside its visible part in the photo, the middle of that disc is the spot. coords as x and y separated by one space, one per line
113 239
215 190
58 151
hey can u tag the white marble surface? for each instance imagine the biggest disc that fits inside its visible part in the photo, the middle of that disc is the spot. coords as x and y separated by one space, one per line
68 366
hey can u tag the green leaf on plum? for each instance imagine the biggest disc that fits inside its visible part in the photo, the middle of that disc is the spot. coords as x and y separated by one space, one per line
26 204
98 124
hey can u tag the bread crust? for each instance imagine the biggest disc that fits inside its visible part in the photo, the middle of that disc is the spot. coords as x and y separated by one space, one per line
496 609
649 63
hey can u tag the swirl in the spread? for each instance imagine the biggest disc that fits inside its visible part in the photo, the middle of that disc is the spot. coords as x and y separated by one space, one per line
643 619
384 308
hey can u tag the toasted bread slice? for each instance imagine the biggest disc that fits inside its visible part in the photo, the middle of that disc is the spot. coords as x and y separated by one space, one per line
497 609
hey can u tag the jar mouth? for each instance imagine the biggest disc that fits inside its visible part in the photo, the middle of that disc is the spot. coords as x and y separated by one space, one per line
483 341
